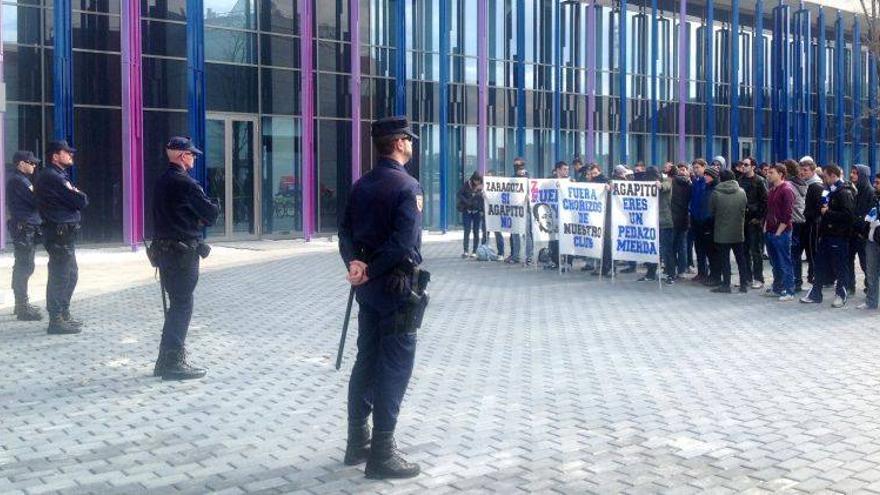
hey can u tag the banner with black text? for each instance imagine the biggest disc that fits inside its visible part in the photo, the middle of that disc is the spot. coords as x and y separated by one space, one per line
507 203
581 219
543 207
635 218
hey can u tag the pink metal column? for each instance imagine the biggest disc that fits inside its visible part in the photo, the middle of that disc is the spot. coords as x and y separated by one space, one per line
3 152
483 80
682 79
307 103
132 126
591 82
355 29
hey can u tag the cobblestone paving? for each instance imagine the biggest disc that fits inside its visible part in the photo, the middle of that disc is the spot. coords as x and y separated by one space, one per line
525 382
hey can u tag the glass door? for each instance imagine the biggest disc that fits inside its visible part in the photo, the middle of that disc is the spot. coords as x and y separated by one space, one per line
233 175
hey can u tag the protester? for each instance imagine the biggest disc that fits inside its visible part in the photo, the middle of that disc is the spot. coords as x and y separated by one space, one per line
777 233
579 170
519 170
755 188
560 171
470 204
701 221
835 229
719 163
499 237
728 206
860 178
798 239
666 227
679 201
812 204
668 169
604 268
872 250
621 172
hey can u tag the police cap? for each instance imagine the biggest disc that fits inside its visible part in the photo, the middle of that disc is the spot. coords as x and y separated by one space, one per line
24 156
392 126
60 145
182 143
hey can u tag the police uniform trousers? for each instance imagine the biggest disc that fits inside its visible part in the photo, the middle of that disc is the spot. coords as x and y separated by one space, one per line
383 367
60 243
179 272
24 248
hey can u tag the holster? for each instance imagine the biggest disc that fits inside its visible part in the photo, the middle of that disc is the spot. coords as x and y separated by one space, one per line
182 252
24 235
409 317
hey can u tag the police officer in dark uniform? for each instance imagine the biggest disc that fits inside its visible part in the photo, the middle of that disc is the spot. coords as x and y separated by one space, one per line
380 240
181 210
24 227
60 203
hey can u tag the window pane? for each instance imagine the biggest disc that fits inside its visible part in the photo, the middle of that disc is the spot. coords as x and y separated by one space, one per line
96 32
105 6
164 83
282 180
99 152
23 128
231 13
280 51
279 16
331 18
334 170
163 38
334 96
231 88
21 25
21 71
96 78
281 91
222 45
164 9
334 57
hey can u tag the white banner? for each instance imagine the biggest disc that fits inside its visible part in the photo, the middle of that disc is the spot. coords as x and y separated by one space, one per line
581 219
543 206
635 218
507 204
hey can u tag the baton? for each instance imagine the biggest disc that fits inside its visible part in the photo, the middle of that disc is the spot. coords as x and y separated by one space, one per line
344 328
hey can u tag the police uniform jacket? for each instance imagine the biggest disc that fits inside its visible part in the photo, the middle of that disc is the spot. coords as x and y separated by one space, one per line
382 226
21 201
180 207
57 201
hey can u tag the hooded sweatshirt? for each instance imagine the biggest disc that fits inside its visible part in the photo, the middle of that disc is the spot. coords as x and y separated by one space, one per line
800 195
864 198
813 199
728 205
699 200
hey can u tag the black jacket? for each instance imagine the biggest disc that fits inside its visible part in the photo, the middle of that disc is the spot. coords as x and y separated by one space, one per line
838 220
813 203
469 200
180 207
681 198
864 199
57 199
21 200
756 195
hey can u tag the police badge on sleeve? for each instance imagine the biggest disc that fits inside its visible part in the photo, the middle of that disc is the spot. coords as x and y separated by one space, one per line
419 202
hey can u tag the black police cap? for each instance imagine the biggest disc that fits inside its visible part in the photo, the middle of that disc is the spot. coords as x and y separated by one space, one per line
392 126
24 156
182 143
60 145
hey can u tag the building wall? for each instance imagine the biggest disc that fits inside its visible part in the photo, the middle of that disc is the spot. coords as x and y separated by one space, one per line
482 83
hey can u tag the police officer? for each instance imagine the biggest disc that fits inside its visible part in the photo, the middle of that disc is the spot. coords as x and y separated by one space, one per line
380 239
24 227
181 210
60 203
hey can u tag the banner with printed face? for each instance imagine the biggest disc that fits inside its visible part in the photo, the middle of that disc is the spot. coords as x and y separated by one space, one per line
581 219
543 207
635 218
507 204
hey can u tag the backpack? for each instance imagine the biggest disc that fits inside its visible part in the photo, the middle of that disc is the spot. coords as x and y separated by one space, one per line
486 253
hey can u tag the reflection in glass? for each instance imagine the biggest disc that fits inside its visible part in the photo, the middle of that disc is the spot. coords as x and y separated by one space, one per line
243 176
224 45
215 165
281 177
231 13
21 25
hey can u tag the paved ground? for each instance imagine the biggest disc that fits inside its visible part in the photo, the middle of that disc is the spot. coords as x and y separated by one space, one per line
525 382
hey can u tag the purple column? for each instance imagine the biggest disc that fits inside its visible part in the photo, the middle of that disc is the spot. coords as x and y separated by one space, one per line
307 103
591 82
355 13
483 81
132 126
3 152
682 78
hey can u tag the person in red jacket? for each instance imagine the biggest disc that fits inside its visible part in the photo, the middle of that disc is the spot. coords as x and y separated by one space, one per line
777 233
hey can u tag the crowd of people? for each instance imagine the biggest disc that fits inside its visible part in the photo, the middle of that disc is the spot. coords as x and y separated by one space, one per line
789 213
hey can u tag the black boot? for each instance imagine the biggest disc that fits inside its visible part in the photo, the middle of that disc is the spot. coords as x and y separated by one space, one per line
385 461
176 367
57 326
161 363
358 447
27 312
65 315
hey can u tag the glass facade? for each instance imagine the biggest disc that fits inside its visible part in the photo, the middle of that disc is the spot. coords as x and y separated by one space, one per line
482 81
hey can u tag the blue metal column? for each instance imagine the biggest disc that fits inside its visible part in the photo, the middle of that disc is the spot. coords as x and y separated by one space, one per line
781 76
734 83
802 72
195 69
654 59
758 80
839 88
400 66
621 82
520 77
872 118
797 85
807 71
821 92
63 67
444 112
557 92
709 71
857 92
